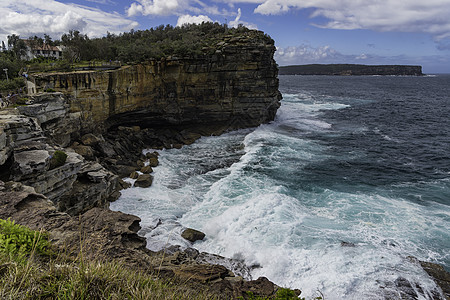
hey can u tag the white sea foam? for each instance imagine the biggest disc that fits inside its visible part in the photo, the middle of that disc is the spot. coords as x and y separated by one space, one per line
345 245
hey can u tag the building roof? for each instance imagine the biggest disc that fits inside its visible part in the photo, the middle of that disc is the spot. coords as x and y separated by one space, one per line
41 47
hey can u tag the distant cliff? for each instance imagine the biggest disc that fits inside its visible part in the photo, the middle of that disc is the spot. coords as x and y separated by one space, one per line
235 86
350 69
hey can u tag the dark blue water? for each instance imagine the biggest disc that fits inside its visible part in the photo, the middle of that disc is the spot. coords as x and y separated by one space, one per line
349 161
399 125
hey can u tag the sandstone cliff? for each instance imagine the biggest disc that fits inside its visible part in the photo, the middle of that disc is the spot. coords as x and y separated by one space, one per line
102 120
108 117
232 88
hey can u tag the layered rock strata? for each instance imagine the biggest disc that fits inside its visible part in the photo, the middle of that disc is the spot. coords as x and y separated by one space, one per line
25 156
235 87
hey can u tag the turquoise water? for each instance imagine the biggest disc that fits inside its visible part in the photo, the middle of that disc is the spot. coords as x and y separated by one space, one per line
359 161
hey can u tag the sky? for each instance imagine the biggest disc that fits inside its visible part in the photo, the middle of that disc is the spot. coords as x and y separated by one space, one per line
412 32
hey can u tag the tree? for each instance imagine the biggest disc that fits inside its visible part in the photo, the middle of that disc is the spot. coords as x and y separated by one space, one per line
48 40
17 45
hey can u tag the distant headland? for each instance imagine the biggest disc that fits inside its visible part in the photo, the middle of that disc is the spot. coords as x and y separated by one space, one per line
351 69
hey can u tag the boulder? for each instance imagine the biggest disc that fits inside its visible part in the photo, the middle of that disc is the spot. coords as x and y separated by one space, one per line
439 275
147 170
153 162
144 181
140 163
85 151
122 170
107 149
91 140
192 235
97 176
152 154
134 175
30 162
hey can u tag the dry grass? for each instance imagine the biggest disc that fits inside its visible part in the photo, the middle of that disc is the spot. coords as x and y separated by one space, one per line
60 278
29 272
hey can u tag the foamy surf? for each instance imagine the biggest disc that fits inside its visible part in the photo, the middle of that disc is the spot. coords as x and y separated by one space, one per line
269 197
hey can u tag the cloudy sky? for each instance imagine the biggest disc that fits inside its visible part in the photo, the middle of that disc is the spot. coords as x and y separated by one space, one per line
305 31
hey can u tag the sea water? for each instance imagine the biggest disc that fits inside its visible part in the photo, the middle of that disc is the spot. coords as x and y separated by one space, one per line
351 178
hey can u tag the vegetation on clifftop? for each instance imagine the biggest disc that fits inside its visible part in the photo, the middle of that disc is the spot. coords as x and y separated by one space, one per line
188 40
136 46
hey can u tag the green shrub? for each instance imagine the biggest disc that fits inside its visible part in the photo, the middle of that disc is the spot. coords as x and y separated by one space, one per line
21 101
281 294
19 241
285 294
12 84
57 159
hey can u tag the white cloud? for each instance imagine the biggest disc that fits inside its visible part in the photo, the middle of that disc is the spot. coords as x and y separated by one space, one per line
27 18
431 16
157 7
175 7
103 1
306 54
237 21
187 19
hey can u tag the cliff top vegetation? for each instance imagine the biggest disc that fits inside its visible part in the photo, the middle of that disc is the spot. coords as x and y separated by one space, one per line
189 40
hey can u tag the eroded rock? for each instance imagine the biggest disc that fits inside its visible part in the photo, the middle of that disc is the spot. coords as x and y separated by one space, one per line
144 181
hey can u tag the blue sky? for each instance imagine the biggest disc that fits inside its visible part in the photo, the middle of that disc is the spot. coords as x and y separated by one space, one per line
414 32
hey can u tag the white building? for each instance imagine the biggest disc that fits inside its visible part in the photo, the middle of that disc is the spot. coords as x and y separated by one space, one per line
43 50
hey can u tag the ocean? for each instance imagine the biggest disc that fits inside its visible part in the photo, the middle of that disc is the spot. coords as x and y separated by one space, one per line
332 197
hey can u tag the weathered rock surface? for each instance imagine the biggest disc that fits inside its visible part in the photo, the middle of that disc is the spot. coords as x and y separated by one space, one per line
95 187
25 157
146 169
233 88
52 112
440 276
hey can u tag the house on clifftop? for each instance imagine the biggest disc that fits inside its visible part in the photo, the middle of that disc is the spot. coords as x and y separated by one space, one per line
44 50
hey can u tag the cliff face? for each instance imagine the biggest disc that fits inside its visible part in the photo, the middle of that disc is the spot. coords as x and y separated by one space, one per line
235 87
351 69
104 119
25 156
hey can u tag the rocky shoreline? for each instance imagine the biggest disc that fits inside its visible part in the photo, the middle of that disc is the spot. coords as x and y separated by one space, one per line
71 201
102 121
